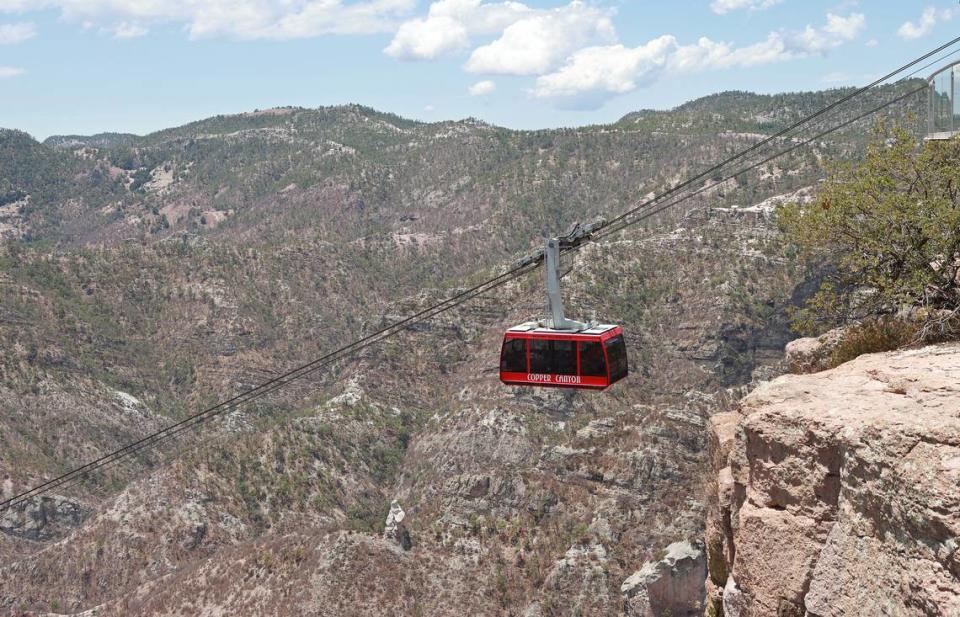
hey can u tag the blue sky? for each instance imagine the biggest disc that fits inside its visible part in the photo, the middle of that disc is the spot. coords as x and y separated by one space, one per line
85 66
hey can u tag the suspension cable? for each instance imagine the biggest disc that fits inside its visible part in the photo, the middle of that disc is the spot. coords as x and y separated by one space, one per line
622 221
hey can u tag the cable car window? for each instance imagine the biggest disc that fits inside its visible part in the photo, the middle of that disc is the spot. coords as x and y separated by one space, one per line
539 356
564 357
617 354
592 363
513 359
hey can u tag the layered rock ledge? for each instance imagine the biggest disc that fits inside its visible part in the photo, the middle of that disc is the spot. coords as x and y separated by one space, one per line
838 493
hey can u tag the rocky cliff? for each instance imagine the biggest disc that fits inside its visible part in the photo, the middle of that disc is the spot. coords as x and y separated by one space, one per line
838 493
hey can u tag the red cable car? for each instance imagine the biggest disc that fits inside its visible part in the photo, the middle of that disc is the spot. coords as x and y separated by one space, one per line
561 352
536 356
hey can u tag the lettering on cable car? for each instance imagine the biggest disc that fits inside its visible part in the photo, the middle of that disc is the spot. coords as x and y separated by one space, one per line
541 378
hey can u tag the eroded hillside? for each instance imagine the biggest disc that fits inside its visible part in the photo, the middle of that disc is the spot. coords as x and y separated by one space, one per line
146 277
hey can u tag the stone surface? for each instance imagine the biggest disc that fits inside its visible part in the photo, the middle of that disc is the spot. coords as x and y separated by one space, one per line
807 355
394 529
734 602
842 494
43 518
672 585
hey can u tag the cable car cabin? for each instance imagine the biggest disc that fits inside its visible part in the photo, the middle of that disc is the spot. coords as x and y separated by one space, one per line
595 357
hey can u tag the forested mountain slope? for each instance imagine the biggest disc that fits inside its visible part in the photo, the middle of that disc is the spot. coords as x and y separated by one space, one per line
143 278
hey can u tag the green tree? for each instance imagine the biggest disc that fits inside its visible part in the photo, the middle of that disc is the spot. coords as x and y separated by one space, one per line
886 231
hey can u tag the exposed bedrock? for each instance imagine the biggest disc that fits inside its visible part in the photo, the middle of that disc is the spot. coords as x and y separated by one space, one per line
672 585
838 493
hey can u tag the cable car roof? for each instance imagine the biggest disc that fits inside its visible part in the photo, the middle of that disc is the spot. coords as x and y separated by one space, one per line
533 327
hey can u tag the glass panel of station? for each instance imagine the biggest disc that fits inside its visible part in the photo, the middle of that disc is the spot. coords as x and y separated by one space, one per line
944 103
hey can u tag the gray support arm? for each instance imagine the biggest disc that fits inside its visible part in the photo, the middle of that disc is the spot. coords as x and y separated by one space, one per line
550 254
554 299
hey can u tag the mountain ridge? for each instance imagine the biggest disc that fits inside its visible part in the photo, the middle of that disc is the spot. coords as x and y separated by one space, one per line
140 283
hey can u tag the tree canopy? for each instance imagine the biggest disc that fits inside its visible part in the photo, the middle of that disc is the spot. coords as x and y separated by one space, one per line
884 233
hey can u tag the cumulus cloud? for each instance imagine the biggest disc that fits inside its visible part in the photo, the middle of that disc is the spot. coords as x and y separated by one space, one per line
614 69
243 19
837 31
426 39
530 41
593 74
539 42
725 6
10 71
10 34
924 26
482 88
448 26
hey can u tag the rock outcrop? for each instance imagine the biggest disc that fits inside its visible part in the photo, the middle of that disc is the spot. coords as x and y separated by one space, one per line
673 585
809 355
394 529
838 493
42 518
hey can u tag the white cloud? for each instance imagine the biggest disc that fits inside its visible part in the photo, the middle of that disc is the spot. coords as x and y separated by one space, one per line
426 39
243 19
725 6
126 30
429 109
482 88
924 26
539 42
11 34
836 32
530 41
873 43
614 69
10 71
593 74
448 26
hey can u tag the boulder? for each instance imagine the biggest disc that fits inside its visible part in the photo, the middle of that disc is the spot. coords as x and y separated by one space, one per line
672 585
394 529
809 355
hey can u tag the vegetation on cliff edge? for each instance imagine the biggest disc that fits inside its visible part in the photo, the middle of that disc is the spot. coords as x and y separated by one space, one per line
886 233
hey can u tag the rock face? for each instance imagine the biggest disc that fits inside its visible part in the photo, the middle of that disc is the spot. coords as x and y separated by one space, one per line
42 518
671 586
394 529
809 355
838 493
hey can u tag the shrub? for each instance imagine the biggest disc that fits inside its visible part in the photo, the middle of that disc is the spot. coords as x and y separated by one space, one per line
873 336
884 234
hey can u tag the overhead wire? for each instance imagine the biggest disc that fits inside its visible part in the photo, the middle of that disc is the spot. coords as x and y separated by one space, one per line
287 378
781 133
340 354
626 219
269 386
647 213
603 231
